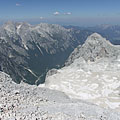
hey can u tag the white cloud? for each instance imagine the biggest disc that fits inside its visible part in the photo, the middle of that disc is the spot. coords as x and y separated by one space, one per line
56 13
17 4
41 18
68 13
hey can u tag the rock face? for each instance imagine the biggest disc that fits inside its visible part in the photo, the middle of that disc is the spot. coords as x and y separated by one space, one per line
91 73
25 102
94 48
32 50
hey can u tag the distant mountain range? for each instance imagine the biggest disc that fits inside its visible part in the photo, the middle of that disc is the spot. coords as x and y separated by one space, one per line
110 32
27 51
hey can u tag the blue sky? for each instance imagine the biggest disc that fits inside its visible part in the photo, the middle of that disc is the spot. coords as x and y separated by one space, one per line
74 12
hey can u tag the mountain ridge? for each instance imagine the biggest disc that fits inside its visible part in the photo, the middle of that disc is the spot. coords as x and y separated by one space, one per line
36 48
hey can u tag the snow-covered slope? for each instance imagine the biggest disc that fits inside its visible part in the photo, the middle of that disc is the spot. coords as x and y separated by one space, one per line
92 73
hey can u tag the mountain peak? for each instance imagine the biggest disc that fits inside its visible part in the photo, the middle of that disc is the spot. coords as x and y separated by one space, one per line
95 38
95 47
96 35
9 26
9 23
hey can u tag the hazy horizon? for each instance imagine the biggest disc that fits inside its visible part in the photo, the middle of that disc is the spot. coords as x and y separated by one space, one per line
63 12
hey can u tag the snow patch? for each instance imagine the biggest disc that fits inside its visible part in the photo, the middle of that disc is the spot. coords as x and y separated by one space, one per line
31 72
39 49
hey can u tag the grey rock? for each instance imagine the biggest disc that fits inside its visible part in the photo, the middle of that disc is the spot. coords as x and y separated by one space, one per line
95 47
51 72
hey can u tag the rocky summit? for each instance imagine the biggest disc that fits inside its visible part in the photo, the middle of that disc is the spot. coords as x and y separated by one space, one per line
94 48
26 102
91 73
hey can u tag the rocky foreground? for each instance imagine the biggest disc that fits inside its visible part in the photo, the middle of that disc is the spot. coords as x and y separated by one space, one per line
25 102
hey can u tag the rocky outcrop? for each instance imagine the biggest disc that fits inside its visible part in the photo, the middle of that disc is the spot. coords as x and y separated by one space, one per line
94 48
22 101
